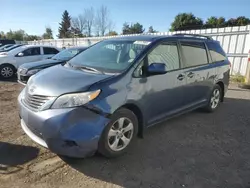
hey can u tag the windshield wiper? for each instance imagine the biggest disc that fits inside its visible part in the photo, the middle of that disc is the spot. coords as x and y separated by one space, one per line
89 69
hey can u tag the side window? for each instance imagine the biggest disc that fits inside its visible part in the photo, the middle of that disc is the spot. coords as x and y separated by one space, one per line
32 51
165 53
47 50
194 53
217 53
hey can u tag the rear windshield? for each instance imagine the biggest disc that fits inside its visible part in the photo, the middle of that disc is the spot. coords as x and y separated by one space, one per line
216 51
12 47
6 46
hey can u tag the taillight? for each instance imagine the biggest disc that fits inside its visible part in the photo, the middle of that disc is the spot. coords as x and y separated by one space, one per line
230 64
249 56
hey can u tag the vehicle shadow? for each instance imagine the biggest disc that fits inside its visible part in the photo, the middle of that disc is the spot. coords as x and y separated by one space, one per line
14 80
192 150
11 156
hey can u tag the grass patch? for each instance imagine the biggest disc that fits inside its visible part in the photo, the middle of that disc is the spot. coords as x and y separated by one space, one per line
237 78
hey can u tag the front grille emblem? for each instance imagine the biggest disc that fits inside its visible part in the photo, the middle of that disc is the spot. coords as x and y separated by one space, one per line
32 89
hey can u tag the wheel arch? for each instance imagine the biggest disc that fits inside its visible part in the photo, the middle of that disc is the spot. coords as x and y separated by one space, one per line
4 64
138 112
222 86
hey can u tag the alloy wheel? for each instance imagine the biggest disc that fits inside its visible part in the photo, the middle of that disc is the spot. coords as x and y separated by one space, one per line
7 72
215 99
120 134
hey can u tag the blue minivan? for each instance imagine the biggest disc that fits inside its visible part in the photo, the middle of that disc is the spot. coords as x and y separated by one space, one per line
103 98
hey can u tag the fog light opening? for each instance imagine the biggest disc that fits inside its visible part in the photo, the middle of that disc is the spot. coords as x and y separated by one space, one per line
69 143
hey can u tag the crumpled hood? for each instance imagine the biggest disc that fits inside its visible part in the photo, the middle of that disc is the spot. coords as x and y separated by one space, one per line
41 64
58 80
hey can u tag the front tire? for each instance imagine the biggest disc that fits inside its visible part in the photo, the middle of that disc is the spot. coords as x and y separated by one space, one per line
214 99
118 134
7 71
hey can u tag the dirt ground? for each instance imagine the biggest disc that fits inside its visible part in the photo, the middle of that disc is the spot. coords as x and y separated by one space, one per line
196 150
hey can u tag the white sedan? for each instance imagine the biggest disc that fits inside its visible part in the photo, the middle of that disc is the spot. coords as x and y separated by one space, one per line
10 61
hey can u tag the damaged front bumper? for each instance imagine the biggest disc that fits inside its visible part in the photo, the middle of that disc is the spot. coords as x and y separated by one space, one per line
72 132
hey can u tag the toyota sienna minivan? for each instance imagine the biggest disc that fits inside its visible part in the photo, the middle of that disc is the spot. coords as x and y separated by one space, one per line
103 98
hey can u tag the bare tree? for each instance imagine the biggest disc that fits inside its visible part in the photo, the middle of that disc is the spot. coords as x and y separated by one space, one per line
111 26
103 22
89 16
78 24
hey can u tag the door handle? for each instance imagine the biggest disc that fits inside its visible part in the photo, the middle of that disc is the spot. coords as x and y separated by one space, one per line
190 74
180 77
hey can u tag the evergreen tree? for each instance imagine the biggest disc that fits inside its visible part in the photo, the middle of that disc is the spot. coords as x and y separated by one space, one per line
65 26
186 21
136 28
48 33
151 30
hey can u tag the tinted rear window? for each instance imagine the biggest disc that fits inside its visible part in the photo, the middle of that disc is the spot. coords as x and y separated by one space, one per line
194 53
217 53
48 50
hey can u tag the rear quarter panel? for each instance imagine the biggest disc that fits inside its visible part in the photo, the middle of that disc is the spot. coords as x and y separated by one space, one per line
223 73
219 61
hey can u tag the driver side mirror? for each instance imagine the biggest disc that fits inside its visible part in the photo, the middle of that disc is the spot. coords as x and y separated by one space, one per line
156 69
20 54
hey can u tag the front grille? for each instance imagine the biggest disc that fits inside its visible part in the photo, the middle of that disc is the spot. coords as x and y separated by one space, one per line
23 78
35 102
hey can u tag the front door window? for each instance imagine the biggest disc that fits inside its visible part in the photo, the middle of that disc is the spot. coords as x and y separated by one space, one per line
32 51
167 54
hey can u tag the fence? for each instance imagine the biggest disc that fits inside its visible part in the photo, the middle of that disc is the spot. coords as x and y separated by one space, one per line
234 40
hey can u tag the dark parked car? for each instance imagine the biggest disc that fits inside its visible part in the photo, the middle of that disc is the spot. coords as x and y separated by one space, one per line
10 47
6 41
26 70
104 97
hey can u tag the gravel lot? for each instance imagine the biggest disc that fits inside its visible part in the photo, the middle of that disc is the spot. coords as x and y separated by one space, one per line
194 150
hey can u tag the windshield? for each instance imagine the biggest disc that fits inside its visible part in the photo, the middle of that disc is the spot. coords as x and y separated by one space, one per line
111 56
16 50
66 54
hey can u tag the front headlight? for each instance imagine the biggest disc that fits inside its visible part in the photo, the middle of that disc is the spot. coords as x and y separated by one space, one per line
22 71
33 71
75 99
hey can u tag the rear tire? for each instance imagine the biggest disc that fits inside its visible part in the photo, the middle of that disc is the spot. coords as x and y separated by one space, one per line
7 71
118 134
214 99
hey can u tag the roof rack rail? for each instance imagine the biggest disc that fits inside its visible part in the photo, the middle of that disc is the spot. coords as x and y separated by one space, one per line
193 35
